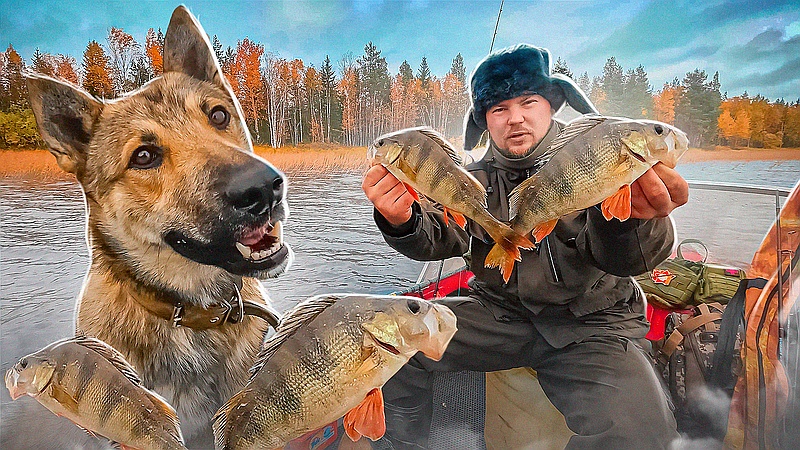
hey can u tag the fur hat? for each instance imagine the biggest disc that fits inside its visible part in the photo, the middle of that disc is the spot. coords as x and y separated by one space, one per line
514 71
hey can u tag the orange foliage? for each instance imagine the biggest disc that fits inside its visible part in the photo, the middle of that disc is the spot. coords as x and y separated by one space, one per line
155 52
97 77
65 68
664 104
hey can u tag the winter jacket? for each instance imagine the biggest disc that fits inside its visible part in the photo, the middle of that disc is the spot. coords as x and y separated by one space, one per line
581 269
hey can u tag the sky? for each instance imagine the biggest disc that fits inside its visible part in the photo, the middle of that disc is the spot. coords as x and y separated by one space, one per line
755 45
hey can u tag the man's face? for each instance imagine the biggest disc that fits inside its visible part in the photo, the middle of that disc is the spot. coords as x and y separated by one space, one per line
519 123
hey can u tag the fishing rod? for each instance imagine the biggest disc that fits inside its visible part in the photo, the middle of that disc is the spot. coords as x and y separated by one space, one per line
496 25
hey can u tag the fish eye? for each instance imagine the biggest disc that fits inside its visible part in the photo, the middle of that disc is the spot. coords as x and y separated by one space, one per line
146 156
380 143
219 117
413 306
23 362
659 129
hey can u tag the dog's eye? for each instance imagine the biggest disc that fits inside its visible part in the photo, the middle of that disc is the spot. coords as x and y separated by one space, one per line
145 157
219 117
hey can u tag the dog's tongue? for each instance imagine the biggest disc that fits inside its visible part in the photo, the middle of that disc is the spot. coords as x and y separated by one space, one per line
252 237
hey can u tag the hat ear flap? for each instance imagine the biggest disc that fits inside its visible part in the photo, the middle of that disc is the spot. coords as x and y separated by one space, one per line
575 97
472 131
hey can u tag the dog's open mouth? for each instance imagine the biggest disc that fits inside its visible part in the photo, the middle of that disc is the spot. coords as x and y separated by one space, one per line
257 244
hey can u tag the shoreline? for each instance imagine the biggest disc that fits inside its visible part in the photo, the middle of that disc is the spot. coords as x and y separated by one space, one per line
41 165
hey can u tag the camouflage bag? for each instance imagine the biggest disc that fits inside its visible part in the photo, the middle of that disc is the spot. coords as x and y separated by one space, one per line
685 359
672 284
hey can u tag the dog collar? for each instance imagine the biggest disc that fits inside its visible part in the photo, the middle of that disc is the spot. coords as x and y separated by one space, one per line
232 309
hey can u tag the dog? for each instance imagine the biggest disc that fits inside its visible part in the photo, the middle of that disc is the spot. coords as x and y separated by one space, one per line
183 219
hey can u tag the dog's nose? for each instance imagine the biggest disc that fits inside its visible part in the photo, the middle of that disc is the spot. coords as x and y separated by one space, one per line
255 187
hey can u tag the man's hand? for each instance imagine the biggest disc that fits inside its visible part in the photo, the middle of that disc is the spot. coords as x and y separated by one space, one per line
658 192
389 196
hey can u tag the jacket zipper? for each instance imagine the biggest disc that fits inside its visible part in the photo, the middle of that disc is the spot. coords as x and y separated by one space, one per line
553 267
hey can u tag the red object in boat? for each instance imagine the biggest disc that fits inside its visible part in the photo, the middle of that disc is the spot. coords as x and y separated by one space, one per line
456 283
453 284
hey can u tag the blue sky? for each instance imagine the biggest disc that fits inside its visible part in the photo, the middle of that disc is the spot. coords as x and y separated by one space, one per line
755 45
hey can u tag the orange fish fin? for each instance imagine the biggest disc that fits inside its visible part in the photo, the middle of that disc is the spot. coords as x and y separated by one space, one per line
446 219
618 205
412 191
459 218
366 419
500 257
543 229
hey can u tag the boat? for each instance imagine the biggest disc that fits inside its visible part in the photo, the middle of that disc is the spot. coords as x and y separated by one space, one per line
508 409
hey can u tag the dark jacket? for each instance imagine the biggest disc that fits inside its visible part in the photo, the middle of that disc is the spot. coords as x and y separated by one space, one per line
581 269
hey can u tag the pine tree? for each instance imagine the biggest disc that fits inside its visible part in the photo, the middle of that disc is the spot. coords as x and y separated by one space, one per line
43 63
637 99
406 72
584 83
612 84
697 107
458 69
154 49
217 46
562 68
332 109
376 84
424 74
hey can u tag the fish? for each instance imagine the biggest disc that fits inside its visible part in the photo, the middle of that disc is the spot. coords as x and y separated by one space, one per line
329 358
594 159
90 383
426 163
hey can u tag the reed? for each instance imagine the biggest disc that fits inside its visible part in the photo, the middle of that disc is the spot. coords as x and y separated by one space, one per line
40 164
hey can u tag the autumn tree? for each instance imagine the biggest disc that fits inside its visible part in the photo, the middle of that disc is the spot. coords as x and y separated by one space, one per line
349 89
123 50
664 102
246 82
66 68
14 90
734 121
96 72
154 49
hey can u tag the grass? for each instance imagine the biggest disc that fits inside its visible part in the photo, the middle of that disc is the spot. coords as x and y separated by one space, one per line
40 164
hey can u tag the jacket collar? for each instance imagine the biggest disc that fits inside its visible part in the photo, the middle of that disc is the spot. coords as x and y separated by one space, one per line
529 161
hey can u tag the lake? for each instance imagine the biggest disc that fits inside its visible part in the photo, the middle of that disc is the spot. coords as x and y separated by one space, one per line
43 254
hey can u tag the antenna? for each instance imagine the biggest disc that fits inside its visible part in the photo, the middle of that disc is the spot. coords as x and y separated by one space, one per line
496 25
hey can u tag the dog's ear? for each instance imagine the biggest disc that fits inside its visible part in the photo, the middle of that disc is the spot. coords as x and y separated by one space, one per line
65 116
188 51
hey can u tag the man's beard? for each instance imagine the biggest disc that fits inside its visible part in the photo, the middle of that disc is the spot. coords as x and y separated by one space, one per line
510 155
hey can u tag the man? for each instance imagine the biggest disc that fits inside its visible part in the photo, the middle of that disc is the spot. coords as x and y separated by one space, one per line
570 309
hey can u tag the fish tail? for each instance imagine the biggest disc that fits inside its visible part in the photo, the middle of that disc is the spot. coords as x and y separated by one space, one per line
506 250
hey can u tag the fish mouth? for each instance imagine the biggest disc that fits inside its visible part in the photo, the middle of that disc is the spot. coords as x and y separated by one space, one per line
11 383
388 347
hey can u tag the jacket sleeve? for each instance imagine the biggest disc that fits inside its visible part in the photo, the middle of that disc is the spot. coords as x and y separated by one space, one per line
625 248
424 237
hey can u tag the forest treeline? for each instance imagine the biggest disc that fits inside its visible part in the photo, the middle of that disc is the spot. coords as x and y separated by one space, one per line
289 101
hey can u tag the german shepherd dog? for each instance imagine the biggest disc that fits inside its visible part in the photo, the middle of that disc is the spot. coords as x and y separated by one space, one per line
182 219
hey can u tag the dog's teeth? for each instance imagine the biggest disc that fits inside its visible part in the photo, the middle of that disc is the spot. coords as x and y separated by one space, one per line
244 250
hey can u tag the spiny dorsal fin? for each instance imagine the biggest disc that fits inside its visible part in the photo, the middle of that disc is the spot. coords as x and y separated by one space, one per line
299 315
108 352
514 197
439 139
571 130
174 425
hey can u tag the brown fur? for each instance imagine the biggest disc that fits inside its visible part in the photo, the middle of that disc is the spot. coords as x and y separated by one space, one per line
130 210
